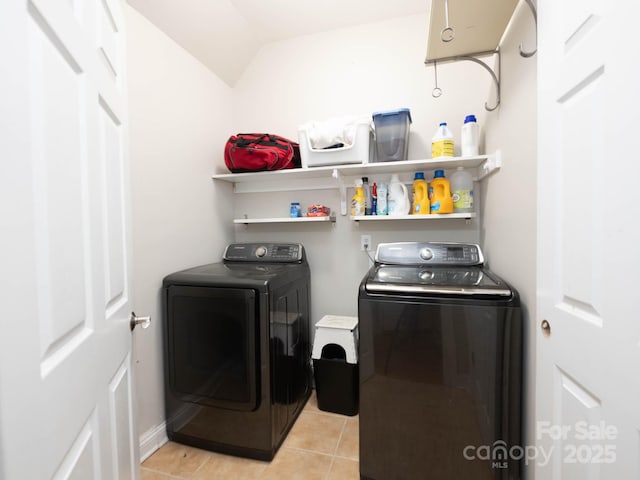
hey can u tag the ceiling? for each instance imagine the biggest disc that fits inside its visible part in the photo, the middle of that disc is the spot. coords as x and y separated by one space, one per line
226 34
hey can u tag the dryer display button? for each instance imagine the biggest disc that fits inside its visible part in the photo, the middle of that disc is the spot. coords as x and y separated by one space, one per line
426 254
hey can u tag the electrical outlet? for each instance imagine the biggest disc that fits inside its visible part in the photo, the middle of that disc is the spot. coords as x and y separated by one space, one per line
365 243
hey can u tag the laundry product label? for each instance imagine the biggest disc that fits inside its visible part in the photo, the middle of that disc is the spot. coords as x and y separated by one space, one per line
462 199
442 148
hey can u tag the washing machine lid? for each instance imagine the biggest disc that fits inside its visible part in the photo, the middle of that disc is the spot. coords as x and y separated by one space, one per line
433 280
241 275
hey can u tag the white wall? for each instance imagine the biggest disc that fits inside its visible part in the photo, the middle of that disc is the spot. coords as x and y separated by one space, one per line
508 229
179 113
356 70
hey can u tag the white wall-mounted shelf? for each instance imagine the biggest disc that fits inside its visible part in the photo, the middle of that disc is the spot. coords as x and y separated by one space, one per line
246 221
315 178
440 216
339 176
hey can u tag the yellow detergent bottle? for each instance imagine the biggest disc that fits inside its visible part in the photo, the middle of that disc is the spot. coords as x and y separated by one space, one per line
420 195
358 201
440 194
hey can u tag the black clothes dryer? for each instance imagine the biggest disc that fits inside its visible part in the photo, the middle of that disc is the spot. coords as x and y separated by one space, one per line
236 349
440 366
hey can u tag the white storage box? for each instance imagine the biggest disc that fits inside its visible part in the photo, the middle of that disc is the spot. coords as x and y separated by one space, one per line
360 152
337 330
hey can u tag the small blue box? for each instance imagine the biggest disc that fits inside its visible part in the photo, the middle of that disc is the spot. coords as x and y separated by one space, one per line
392 134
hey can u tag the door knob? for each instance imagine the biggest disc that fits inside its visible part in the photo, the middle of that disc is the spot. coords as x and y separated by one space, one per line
144 322
546 328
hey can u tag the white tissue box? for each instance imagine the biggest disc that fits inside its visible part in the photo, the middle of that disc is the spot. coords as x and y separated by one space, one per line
359 152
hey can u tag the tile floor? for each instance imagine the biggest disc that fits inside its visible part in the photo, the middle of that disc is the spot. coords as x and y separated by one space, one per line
320 446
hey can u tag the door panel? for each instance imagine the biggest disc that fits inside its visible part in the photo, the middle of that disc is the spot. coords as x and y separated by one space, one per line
583 160
120 397
587 388
82 461
112 149
108 38
212 346
577 407
59 184
65 364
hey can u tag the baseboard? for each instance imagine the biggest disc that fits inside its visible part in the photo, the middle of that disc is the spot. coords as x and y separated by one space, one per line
152 440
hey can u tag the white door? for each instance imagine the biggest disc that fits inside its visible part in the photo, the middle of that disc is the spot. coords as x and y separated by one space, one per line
66 405
588 360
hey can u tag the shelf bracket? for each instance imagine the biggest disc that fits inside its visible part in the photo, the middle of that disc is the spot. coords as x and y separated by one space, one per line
472 58
524 53
490 165
343 190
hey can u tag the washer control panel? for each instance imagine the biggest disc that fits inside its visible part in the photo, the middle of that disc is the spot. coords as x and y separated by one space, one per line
264 252
429 253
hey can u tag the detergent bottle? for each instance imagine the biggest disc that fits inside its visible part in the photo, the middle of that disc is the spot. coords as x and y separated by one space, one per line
358 200
374 199
367 195
420 195
470 137
442 142
382 206
440 189
462 191
398 197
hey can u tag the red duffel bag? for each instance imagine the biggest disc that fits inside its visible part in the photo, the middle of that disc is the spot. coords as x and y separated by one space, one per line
255 152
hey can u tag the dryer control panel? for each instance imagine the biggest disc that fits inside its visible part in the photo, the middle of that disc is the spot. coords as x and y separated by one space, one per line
264 252
429 253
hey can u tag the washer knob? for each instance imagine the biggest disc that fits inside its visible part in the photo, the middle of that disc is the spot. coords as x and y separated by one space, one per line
426 275
261 252
426 254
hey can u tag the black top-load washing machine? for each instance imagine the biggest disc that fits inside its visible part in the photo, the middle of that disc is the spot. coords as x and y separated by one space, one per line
236 349
440 366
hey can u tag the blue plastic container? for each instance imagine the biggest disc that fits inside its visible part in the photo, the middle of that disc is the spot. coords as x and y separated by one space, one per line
392 134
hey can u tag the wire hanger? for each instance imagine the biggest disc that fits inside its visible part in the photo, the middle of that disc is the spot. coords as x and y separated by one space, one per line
437 91
448 33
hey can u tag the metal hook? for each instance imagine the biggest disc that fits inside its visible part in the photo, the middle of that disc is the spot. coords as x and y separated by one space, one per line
524 53
447 34
437 91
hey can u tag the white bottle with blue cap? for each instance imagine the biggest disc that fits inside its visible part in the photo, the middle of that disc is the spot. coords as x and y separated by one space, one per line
470 137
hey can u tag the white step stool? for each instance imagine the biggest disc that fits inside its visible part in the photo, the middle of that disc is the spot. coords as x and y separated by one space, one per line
337 330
